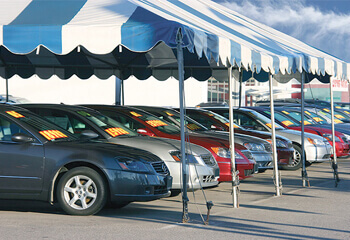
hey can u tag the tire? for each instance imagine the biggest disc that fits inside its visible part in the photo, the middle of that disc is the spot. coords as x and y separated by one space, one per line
297 159
81 191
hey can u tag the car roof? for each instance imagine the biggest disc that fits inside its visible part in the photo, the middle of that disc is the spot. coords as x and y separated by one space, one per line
5 106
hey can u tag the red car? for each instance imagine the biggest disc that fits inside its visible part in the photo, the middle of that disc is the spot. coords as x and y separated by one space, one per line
147 124
217 122
291 118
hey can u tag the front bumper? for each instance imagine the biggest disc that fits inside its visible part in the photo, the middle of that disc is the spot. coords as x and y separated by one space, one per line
199 176
130 186
263 160
319 153
245 171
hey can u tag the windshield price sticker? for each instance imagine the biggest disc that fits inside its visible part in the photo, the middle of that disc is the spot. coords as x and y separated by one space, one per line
52 134
156 123
14 114
135 114
317 119
169 114
269 125
287 123
285 112
347 112
338 116
308 113
326 110
338 121
192 126
338 107
116 131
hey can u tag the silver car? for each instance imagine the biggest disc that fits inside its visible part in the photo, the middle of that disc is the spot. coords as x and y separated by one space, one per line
203 168
317 149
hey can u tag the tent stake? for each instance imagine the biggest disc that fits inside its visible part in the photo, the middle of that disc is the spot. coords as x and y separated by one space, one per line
235 179
180 61
278 184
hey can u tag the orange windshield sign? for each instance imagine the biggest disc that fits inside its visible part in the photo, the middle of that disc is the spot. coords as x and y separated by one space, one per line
52 134
306 122
156 123
135 114
338 121
317 119
192 126
268 124
14 114
169 114
234 125
116 131
338 116
287 123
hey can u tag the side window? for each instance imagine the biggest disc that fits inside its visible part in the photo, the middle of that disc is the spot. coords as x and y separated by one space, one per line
7 129
245 121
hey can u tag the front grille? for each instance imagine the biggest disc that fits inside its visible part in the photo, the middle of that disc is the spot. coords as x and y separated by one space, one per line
268 147
160 189
248 172
208 178
160 167
208 160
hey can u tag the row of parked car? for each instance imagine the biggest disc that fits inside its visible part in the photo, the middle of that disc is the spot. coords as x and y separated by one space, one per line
85 157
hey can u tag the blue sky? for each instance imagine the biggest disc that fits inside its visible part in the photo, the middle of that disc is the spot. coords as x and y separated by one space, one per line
324 24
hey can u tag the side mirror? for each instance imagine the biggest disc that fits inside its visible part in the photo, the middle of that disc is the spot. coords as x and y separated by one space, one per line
21 138
88 134
145 132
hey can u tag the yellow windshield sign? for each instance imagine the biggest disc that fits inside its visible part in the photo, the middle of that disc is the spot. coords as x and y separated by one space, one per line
317 119
338 121
52 134
326 110
14 114
338 116
135 114
116 131
193 126
156 123
307 113
287 123
285 112
169 114
268 124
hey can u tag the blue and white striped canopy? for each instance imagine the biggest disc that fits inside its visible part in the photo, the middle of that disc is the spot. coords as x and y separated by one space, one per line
138 37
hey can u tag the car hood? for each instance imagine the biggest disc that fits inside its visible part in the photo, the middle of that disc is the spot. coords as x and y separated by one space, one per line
159 146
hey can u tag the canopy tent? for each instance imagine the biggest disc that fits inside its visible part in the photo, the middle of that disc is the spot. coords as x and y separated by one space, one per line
144 38
138 37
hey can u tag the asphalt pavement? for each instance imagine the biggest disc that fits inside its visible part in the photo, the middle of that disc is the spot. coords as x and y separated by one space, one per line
320 211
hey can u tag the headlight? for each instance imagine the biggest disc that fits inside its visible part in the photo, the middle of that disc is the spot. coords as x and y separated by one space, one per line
133 165
248 155
315 141
254 146
280 143
176 155
329 137
222 152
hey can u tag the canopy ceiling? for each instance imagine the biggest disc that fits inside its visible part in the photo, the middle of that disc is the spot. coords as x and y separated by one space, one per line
138 37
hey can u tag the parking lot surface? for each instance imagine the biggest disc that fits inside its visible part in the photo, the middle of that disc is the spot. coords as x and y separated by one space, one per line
320 211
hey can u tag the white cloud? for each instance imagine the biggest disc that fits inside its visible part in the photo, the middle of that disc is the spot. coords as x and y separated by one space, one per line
327 31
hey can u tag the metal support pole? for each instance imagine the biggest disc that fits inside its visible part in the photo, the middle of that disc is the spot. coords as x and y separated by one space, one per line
278 184
334 161
7 89
118 92
235 179
180 61
240 90
303 170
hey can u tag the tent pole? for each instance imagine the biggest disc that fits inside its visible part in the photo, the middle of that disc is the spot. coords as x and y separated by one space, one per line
117 91
235 179
278 184
7 89
334 162
180 61
240 90
303 170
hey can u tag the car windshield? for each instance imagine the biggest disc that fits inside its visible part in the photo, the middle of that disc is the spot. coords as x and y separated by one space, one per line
318 119
326 115
287 121
48 130
264 120
109 125
190 123
153 121
297 117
